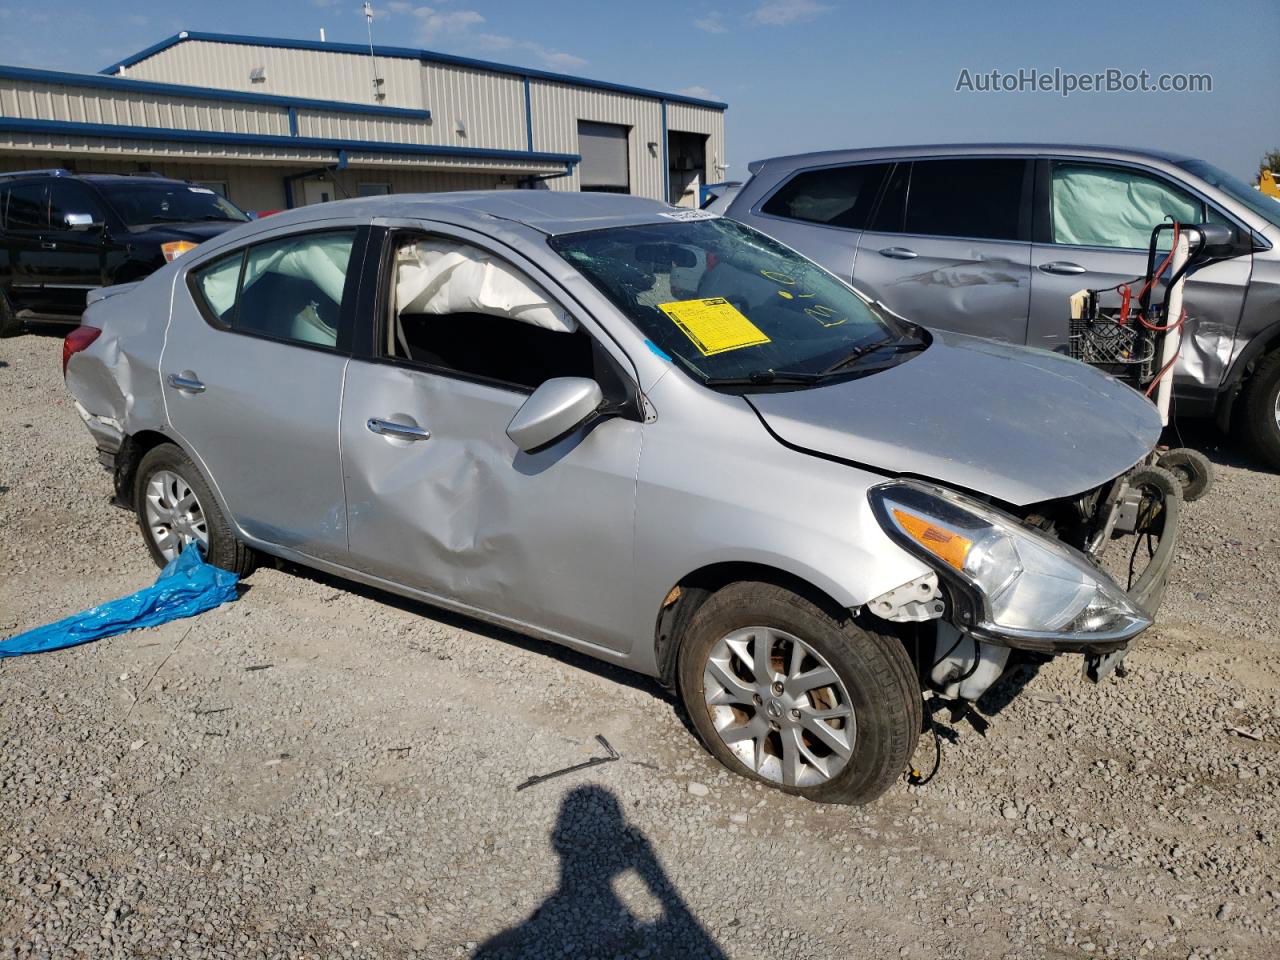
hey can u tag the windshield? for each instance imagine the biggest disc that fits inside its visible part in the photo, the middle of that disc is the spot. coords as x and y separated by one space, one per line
1255 200
140 202
727 302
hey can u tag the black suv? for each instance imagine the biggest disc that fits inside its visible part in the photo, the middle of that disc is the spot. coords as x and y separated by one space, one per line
62 234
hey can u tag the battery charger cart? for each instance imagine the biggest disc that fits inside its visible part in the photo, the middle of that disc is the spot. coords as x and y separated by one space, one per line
1138 340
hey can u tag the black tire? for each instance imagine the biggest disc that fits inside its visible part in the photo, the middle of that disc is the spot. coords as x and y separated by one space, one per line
225 549
1193 470
10 325
1259 411
878 676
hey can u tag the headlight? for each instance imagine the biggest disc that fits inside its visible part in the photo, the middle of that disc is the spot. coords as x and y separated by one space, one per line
1023 584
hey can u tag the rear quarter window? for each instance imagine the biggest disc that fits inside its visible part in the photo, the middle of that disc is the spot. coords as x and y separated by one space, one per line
833 196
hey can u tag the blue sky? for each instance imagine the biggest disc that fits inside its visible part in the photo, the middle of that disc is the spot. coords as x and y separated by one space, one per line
798 74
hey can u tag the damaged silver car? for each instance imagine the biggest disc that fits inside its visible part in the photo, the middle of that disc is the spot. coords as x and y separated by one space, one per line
655 436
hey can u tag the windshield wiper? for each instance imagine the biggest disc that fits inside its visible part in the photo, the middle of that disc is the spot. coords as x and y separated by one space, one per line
898 346
764 378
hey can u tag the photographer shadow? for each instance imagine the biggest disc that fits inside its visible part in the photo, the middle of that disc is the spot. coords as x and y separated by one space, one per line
586 915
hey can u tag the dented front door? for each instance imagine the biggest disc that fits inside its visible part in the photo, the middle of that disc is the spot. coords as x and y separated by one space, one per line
440 500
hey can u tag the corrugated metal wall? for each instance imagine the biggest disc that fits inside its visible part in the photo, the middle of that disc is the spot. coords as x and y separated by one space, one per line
45 101
491 105
294 73
558 107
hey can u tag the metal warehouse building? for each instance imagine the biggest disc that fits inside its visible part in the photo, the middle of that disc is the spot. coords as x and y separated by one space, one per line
277 123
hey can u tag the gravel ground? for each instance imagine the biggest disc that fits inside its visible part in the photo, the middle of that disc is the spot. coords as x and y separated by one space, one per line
320 771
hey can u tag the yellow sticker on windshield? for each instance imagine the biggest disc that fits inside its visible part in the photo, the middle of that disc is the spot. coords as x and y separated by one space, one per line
714 325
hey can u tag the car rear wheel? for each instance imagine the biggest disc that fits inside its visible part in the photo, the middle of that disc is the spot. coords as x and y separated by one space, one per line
798 697
1260 410
176 508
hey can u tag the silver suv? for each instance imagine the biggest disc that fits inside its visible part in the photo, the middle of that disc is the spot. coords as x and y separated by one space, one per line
992 240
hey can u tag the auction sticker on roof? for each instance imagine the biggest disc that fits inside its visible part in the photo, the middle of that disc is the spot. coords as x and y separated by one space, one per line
684 216
713 324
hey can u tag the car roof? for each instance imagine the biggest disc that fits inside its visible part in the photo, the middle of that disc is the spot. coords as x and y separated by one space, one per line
964 149
547 211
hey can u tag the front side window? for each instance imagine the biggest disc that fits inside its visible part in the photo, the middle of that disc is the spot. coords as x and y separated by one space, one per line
1102 206
290 289
1243 193
835 196
979 198
142 202
726 301
70 197
461 310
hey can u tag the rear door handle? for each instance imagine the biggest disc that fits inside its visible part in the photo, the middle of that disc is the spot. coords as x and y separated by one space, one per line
401 431
48 245
185 384
1062 267
898 253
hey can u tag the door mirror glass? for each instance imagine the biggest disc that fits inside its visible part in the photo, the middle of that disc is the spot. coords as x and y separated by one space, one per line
80 221
553 410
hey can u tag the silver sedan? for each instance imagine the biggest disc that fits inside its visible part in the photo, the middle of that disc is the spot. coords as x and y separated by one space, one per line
656 436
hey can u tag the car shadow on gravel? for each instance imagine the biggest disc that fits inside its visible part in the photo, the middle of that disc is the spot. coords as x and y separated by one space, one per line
1222 449
613 898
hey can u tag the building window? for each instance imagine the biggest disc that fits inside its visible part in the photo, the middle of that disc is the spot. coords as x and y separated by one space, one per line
605 166
372 189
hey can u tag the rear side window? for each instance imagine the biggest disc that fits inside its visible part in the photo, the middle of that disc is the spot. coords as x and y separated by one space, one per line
979 198
67 197
290 289
1101 206
835 196
28 206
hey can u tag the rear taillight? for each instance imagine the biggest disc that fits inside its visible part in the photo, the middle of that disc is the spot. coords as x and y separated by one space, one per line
75 341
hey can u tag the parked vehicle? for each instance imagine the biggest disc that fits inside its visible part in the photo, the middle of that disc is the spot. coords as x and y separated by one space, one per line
993 239
63 234
778 498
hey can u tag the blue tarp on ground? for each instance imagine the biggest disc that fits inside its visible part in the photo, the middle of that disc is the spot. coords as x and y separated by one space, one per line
186 586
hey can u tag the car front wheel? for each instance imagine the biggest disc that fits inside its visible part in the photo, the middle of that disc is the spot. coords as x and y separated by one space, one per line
1260 413
798 697
176 508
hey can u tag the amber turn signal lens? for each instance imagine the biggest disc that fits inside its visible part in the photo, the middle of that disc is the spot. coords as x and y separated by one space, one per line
946 545
172 251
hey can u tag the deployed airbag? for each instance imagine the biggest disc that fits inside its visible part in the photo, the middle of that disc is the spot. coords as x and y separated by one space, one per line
1104 207
437 277
186 586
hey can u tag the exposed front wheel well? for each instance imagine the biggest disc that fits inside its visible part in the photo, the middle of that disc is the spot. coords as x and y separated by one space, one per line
685 597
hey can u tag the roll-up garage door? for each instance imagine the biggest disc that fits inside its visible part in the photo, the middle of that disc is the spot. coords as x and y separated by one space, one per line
604 166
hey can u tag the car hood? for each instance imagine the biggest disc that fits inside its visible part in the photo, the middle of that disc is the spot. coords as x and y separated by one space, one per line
1018 424
198 230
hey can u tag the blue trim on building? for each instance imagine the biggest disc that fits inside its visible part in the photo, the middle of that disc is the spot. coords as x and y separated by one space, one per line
666 164
293 121
528 113
100 82
429 56
341 147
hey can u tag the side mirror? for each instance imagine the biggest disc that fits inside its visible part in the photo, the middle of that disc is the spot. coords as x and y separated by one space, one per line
554 409
1219 239
80 222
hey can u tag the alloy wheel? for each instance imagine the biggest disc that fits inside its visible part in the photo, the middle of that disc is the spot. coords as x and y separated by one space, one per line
779 706
173 513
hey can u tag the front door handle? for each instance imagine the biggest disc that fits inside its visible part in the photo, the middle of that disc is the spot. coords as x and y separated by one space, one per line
187 384
48 245
1062 267
401 431
898 253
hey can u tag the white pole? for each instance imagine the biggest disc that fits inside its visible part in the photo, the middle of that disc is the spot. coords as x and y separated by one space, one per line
1171 339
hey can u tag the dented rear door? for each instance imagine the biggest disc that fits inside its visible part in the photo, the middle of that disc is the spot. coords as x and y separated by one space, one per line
949 246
